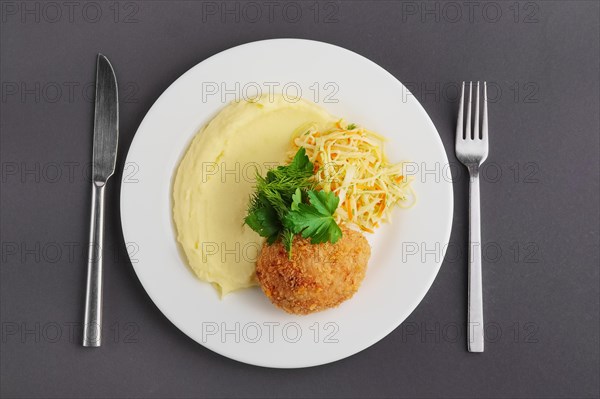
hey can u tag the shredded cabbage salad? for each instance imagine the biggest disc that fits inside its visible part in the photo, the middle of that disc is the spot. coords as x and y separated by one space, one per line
349 161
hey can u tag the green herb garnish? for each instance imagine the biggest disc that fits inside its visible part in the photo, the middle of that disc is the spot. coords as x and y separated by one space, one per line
351 126
278 208
315 220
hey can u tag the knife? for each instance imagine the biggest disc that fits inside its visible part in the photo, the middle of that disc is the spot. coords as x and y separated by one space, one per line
106 137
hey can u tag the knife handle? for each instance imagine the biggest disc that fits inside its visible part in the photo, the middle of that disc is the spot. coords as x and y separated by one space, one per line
92 327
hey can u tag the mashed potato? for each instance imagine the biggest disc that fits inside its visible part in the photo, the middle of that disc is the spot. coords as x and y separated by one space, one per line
215 179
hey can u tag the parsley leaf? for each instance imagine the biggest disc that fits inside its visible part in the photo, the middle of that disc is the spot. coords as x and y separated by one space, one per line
264 220
301 162
315 220
296 199
351 126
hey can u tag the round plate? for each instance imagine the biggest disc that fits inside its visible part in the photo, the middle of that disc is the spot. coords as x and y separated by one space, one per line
244 325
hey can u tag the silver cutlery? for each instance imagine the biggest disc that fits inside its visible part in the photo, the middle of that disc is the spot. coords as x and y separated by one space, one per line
472 150
106 135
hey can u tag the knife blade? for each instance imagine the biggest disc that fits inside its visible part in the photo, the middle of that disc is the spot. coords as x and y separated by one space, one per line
104 155
106 121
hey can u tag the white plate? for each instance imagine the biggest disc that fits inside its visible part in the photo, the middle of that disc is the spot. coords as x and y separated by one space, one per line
245 326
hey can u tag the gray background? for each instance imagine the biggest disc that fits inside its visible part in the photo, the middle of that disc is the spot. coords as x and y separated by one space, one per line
540 197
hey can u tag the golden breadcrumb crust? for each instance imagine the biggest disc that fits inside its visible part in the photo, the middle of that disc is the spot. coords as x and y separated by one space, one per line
318 276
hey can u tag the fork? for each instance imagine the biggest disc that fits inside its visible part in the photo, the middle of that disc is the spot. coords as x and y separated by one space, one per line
472 150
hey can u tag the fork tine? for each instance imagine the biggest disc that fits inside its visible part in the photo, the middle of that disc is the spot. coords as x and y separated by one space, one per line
459 122
468 134
476 123
484 127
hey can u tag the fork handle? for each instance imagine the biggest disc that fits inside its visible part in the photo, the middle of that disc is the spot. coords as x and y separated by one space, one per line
475 313
92 326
